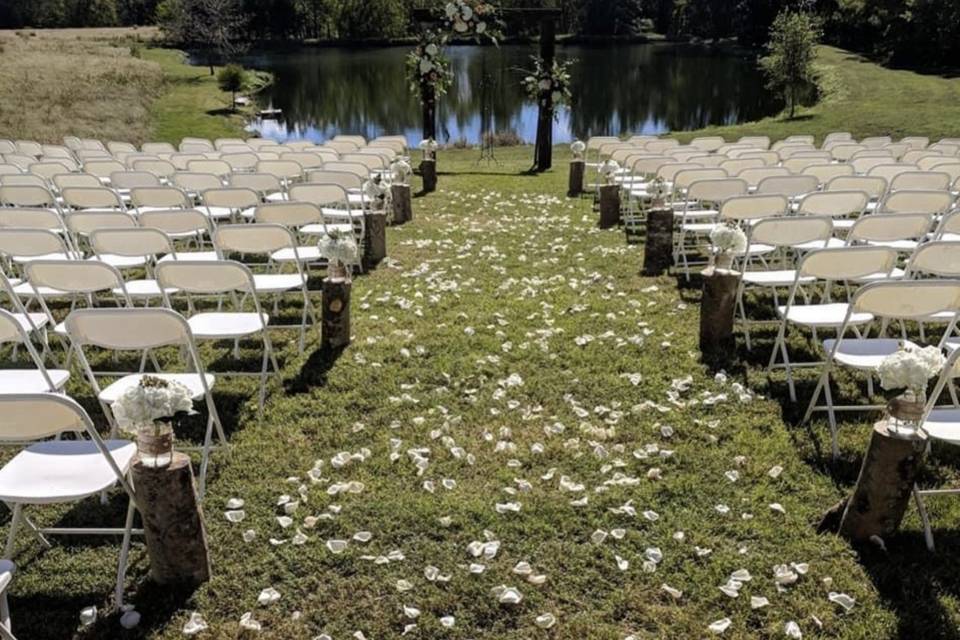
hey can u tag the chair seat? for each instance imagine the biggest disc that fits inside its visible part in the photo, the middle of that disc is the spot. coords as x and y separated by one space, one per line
120 262
277 283
866 353
226 213
844 223
700 228
822 315
322 230
305 254
943 424
276 197
190 380
341 214
31 380
25 290
218 326
895 274
62 471
831 243
757 249
29 321
906 246
72 255
203 256
781 278
142 289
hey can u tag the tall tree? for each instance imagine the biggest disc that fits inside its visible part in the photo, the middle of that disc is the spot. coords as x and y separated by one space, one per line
215 26
792 48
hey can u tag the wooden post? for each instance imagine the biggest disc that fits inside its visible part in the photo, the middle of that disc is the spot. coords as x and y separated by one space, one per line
885 485
375 244
658 253
548 50
335 333
609 206
428 95
717 308
402 203
172 522
428 171
575 184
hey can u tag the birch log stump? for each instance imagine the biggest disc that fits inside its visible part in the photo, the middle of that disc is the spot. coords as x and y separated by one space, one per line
172 522
658 252
335 332
402 203
717 308
375 244
884 487
575 184
428 171
609 206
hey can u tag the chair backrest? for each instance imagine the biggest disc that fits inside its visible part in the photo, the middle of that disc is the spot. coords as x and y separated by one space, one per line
241 161
132 179
760 142
92 198
23 180
235 198
358 171
792 231
789 186
716 190
360 141
134 242
286 170
157 147
218 168
865 165
31 242
890 228
115 147
837 136
915 201
685 178
907 299
733 167
160 168
754 177
176 221
63 180
769 158
824 173
319 194
342 146
82 223
159 198
129 329
19 159
788 151
193 182
47 170
205 277
845 152
292 215
836 204
847 263
262 183
797 164
38 416
305 159
29 148
914 157
916 142
946 148
921 180
891 170
10 170
874 187
938 258
74 276
27 196
754 207
647 165
947 166
254 239
30 218
708 143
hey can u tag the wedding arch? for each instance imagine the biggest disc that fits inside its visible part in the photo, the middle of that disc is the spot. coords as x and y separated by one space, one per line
435 75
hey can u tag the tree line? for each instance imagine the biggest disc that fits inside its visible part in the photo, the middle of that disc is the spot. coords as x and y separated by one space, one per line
913 32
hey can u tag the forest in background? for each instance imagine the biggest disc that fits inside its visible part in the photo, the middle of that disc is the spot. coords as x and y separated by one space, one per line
903 32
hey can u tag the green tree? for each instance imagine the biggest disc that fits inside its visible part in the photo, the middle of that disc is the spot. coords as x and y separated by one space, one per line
361 19
215 26
232 78
791 51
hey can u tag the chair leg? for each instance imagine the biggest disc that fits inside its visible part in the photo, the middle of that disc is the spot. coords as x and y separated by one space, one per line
786 364
36 531
924 518
124 554
15 521
205 457
831 416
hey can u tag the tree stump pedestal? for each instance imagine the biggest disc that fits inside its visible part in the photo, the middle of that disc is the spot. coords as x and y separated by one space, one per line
575 184
375 243
717 307
658 252
609 206
884 486
335 331
172 522
428 171
402 203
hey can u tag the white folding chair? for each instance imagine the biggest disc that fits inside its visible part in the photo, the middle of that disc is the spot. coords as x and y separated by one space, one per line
61 471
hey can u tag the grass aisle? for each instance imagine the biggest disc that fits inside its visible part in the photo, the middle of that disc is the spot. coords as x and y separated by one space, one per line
512 354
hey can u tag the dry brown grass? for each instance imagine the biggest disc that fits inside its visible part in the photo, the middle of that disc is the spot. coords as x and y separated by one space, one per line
76 82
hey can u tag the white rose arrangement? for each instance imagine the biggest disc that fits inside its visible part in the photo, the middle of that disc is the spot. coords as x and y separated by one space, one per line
428 68
401 171
727 240
657 190
474 18
152 400
579 149
339 248
429 148
549 87
609 171
911 368
377 189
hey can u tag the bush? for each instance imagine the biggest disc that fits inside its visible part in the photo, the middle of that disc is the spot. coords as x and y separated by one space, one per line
232 78
509 138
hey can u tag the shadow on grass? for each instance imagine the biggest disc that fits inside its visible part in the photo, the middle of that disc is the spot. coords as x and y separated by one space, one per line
314 372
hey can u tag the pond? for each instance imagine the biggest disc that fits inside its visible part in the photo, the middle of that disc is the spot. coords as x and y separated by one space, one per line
635 88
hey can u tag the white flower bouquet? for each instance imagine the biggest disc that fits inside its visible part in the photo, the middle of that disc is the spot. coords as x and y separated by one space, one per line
579 149
377 190
728 239
657 190
428 68
153 400
339 249
401 171
429 148
473 18
550 87
609 171
911 368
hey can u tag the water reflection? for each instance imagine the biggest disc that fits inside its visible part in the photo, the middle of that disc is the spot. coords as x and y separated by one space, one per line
645 88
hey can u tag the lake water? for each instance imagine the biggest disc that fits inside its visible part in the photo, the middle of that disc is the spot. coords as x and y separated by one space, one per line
640 89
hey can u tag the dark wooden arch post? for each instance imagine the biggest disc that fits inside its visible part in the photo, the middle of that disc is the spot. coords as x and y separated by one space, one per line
543 159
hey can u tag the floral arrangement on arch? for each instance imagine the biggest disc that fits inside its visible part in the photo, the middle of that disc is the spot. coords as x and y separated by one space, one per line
473 18
553 83
428 67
